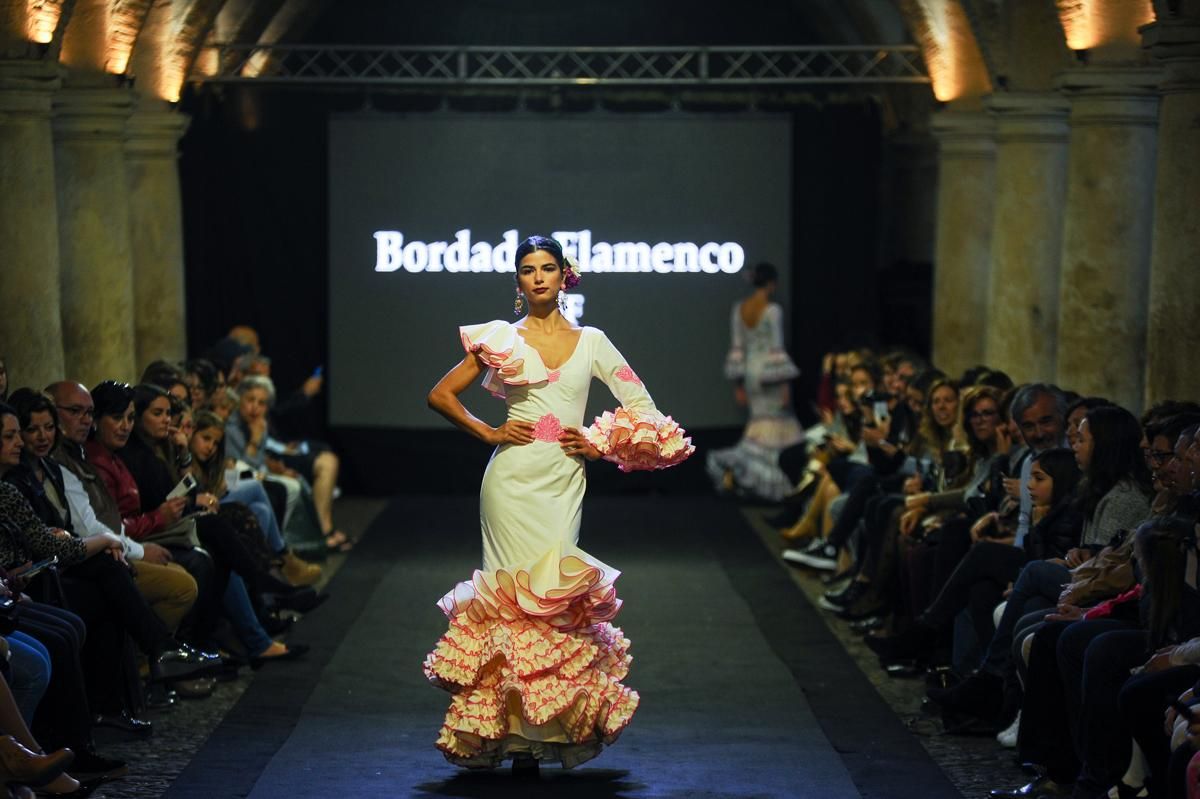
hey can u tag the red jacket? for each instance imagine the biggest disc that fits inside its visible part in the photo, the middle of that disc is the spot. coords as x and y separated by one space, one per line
124 489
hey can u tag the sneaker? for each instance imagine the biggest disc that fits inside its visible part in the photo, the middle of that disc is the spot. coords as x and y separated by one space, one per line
840 600
1008 736
817 555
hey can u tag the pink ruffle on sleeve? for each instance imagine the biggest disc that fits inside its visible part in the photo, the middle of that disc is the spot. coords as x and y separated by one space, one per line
501 349
638 441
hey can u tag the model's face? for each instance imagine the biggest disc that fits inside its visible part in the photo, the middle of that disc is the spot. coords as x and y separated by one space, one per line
539 277
204 443
253 404
1083 446
1040 424
943 405
113 431
984 418
10 442
38 435
76 413
155 421
1041 486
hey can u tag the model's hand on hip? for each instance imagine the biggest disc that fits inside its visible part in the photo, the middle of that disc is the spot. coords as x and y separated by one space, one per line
512 432
574 444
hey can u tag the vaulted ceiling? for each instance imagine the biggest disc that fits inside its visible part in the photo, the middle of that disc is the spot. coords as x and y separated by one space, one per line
971 47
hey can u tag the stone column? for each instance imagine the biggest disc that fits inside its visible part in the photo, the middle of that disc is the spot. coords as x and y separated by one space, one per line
1031 182
1173 337
93 209
1106 231
966 173
30 326
156 217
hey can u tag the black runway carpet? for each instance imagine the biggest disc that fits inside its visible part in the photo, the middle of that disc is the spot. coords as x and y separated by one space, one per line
745 693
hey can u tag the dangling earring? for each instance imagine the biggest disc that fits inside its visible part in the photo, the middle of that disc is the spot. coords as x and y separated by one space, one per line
562 302
518 304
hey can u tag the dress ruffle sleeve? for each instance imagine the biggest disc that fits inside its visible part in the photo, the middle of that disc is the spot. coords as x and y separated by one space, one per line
636 436
778 367
500 349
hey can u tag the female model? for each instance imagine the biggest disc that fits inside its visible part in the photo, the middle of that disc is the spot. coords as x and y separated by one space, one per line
531 658
762 372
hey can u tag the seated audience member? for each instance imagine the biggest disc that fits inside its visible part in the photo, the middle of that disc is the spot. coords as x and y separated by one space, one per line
167 587
208 465
170 378
102 588
140 481
203 381
1057 526
248 438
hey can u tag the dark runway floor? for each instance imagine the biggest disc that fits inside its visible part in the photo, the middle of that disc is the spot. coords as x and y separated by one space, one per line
745 692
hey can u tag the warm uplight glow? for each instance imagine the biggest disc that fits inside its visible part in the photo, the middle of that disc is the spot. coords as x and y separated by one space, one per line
41 18
955 64
1088 24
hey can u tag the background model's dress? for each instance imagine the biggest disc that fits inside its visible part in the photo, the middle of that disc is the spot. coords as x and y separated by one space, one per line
757 358
530 657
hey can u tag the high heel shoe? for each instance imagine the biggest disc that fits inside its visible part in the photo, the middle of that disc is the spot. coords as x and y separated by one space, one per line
24 767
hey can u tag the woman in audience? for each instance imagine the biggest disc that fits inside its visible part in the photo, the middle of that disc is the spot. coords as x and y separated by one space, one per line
208 465
141 480
248 438
63 717
1057 528
102 589
762 373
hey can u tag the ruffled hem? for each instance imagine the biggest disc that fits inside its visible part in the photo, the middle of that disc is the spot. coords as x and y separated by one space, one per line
638 441
533 664
501 349
777 367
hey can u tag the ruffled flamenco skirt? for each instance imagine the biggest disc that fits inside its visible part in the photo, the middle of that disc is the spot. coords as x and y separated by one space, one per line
533 664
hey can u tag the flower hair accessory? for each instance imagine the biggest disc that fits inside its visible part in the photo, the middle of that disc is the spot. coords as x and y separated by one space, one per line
570 273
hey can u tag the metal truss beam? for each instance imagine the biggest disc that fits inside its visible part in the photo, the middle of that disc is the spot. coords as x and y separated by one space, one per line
626 67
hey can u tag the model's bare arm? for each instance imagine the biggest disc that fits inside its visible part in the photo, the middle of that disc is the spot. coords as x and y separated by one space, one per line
443 398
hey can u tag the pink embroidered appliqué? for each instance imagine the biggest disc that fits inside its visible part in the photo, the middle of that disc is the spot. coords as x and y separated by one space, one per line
547 428
553 375
627 374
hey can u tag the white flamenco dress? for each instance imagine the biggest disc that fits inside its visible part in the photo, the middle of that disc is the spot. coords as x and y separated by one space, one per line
757 360
530 657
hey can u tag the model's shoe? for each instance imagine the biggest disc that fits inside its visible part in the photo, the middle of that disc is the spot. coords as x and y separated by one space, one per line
817 555
26 767
1008 736
298 572
1041 787
525 767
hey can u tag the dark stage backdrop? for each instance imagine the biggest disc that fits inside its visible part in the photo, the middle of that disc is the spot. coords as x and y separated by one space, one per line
666 213
254 170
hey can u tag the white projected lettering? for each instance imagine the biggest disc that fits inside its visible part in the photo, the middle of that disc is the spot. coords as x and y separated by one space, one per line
393 252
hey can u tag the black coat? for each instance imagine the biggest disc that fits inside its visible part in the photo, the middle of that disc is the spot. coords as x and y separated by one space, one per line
1056 534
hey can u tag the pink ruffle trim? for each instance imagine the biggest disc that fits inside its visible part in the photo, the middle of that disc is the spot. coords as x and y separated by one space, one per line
568 592
637 441
535 641
501 349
